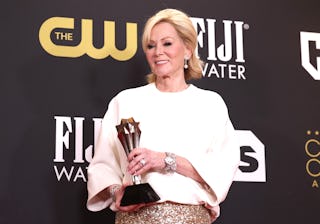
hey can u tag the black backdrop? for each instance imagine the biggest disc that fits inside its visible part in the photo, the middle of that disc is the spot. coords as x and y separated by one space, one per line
51 105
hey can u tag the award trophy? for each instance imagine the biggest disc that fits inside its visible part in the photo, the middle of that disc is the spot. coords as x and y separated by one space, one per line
129 136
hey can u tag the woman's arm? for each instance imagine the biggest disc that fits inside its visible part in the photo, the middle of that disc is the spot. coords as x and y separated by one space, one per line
155 161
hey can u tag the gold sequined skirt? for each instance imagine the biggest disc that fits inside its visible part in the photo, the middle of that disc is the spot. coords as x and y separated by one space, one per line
166 213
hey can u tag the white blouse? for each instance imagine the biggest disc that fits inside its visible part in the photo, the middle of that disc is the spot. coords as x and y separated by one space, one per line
193 123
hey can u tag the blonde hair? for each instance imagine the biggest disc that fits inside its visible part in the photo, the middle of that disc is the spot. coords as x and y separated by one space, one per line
184 27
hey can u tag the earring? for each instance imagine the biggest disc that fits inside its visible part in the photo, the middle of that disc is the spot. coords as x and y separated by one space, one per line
186 66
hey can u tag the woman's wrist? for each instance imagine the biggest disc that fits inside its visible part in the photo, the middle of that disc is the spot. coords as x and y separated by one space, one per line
170 162
112 190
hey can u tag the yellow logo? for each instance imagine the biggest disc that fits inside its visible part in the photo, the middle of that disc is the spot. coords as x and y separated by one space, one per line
312 148
52 25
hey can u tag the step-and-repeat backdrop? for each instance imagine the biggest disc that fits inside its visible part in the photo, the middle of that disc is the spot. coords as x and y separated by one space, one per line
62 61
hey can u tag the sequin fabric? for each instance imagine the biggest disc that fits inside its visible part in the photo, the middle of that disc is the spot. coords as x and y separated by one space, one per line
166 213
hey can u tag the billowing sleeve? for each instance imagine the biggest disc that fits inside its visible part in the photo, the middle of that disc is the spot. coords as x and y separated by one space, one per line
219 164
104 169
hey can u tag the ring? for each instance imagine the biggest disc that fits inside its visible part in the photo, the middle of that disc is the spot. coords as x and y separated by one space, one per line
142 162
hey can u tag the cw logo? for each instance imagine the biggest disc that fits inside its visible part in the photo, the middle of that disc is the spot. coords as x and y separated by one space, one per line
305 39
86 44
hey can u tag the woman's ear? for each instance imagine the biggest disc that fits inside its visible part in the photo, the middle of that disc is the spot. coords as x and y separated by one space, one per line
187 53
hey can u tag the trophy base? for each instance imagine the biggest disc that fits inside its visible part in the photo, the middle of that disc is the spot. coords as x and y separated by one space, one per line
140 193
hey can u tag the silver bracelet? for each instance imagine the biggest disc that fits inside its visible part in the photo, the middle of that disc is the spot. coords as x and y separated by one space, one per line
170 162
113 190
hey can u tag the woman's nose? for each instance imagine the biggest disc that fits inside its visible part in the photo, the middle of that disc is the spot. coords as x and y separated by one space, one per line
159 50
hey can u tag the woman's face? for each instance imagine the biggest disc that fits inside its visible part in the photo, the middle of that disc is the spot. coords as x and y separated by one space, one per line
166 51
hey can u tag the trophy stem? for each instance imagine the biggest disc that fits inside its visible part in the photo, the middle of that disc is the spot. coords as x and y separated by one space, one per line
136 179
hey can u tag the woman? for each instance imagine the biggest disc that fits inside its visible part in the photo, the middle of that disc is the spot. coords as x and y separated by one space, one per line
188 152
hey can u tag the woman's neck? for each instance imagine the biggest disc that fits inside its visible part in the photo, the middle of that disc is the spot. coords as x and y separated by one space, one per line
170 85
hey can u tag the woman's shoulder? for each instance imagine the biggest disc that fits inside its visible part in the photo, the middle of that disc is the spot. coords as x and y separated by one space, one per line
134 91
207 94
211 99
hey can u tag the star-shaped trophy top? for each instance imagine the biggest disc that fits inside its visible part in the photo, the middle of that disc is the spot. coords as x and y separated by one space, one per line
128 126
129 134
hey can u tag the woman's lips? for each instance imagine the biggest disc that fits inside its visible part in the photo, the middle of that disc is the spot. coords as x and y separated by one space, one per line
161 62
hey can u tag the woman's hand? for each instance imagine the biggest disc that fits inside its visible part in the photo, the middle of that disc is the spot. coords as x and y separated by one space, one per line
142 160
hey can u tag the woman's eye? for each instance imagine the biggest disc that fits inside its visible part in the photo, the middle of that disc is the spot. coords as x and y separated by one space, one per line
150 46
167 44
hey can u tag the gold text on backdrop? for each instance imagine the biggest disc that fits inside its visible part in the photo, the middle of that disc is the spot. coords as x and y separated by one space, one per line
86 44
